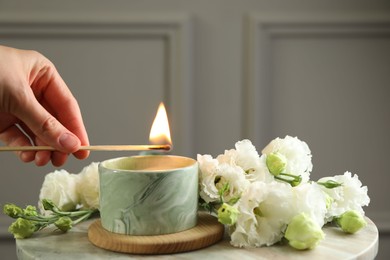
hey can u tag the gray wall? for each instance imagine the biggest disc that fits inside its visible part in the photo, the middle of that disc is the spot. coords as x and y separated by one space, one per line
227 70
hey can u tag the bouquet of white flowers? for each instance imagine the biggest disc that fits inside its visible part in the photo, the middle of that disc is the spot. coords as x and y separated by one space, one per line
263 199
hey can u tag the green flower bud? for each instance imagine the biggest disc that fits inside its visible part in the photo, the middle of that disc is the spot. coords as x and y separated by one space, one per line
22 228
303 233
30 211
64 223
227 214
276 163
296 181
48 204
351 221
330 184
12 210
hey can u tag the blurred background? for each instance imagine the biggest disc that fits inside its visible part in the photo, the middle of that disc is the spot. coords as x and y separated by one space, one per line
226 70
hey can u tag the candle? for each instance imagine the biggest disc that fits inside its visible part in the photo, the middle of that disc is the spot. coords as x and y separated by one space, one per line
149 195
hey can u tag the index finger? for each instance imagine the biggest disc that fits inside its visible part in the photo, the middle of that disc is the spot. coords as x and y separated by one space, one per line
53 94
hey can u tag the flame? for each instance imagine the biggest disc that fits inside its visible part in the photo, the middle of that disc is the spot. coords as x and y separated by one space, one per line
160 133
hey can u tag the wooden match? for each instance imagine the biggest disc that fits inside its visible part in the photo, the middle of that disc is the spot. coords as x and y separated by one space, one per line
165 147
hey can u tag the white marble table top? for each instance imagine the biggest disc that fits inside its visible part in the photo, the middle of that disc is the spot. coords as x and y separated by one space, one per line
47 244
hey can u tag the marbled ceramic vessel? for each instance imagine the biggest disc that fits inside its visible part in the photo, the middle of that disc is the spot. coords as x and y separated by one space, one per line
148 195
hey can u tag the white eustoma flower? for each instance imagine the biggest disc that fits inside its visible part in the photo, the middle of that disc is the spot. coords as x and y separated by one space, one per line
265 211
60 187
234 178
207 174
214 176
246 157
349 196
88 186
297 154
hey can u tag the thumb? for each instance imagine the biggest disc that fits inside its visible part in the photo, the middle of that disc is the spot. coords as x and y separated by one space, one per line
47 128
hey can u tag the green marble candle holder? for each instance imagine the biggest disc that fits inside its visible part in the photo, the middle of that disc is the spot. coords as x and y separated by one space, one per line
148 195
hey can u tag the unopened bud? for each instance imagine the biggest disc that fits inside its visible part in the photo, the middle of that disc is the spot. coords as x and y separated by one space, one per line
30 211
276 163
303 233
330 184
48 204
12 210
227 214
22 228
351 221
64 223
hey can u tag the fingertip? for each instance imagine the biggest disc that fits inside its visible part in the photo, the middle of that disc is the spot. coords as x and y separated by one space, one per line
27 156
58 158
81 155
42 158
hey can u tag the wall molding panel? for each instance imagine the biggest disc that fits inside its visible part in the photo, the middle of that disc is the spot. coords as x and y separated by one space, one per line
260 29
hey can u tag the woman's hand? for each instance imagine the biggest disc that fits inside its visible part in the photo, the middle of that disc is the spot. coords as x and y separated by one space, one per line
36 105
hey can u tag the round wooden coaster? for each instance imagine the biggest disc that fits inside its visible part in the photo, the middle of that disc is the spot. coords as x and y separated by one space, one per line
208 231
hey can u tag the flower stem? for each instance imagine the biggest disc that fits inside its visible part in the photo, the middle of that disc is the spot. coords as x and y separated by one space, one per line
86 216
293 180
39 218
